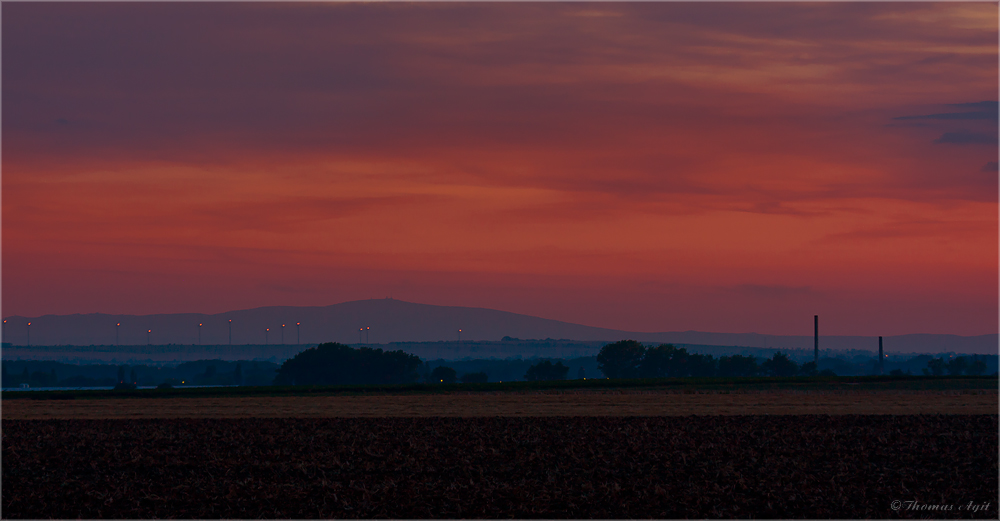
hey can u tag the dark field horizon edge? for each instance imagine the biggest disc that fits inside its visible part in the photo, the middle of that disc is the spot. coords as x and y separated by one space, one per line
681 384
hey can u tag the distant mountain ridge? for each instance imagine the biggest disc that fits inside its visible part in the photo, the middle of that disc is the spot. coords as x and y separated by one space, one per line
390 320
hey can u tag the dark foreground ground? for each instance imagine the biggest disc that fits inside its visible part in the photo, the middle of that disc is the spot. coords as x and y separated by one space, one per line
626 467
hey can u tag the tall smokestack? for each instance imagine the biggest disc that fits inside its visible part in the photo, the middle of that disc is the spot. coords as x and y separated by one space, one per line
881 367
816 339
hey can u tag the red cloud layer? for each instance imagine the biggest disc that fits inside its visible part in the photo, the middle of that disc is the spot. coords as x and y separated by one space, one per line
637 166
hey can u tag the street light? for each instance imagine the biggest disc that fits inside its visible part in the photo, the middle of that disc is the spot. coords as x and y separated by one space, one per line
199 334
361 333
459 335
367 340
298 335
29 334
148 331
118 325
282 334
266 331
230 331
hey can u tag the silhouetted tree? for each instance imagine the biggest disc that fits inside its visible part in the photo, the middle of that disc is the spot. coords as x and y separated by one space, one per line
808 369
737 365
958 366
475 378
443 374
664 360
977 367
122 385
701 365
41 379
338 364
779 365
238 375
935 367
621 359
546 370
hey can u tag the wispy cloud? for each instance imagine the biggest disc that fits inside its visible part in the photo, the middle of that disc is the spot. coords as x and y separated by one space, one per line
944 229
987 111
956 115
967 138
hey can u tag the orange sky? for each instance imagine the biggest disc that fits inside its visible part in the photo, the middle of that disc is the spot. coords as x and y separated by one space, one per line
649 166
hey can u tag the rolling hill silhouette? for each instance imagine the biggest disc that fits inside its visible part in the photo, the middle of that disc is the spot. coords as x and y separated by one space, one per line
392 320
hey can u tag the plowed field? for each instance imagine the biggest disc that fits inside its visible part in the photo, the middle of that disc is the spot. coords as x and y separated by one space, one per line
846 466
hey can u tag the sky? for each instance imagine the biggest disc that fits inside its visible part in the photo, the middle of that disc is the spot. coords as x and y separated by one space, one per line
725 167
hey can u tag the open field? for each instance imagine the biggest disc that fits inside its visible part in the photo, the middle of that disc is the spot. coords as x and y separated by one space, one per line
598 467
737 385
567 403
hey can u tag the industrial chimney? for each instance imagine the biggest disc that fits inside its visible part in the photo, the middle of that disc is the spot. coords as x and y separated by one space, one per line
816 339
881 357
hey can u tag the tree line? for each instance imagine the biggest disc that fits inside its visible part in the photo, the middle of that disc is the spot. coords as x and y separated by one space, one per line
337 364
43 373
631 359
35 379
956 366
